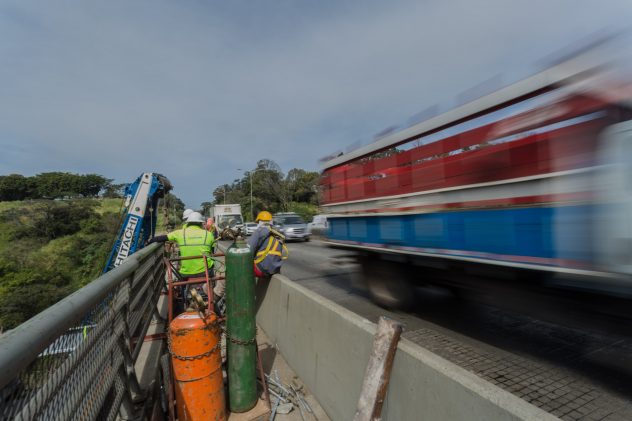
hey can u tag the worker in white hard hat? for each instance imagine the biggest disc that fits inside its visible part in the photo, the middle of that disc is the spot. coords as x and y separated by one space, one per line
194 240
185 215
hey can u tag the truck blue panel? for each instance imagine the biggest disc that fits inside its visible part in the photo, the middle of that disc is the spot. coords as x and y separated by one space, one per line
542 232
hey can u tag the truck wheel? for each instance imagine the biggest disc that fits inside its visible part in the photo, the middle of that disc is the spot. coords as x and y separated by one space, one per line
389 286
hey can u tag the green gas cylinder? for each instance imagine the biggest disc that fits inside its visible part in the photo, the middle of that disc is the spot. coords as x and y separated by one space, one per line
241 327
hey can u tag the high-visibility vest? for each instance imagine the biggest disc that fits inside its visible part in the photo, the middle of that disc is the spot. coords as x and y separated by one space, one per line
273 247
193 240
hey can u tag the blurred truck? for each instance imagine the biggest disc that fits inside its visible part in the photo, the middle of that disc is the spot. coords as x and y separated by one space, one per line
531 183
228 219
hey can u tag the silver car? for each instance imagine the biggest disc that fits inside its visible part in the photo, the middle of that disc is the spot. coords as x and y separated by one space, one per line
292 226
250 228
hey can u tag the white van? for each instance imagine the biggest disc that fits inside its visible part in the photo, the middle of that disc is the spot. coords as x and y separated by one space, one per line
319 223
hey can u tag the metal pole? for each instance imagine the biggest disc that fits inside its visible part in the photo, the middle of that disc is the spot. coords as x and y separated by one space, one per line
251 212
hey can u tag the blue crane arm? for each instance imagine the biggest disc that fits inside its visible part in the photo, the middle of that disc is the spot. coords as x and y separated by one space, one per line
141 204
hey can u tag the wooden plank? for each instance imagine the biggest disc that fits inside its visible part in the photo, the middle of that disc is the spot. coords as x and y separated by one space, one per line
378 370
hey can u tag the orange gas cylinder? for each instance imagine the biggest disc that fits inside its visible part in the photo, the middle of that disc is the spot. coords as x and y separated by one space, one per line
194 343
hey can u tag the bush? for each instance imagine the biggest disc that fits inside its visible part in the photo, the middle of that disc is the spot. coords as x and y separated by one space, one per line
26 293
305 210
48 249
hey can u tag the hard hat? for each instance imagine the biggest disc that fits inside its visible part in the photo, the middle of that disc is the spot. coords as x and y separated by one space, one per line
186 213
264 216
196 217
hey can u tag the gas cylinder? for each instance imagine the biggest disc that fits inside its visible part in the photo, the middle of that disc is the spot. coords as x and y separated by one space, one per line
194 344
241 349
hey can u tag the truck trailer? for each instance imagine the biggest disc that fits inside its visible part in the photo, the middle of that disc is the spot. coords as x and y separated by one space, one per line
531 182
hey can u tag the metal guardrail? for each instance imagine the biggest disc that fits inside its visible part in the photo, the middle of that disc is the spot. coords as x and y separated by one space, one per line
75 360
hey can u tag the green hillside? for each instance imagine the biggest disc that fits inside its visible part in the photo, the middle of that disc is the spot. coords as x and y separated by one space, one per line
50 248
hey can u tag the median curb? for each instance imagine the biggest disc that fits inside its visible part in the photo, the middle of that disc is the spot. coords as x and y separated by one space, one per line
328 347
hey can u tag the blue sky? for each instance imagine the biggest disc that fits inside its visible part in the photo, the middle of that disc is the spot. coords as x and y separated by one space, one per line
197 89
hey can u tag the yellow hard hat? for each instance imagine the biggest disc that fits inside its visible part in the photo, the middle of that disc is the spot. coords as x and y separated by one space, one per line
264 216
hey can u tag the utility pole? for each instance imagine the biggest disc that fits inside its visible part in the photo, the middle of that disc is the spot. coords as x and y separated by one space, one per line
250 173
251 212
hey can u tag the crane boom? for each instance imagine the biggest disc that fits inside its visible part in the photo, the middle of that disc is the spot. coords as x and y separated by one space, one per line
141 201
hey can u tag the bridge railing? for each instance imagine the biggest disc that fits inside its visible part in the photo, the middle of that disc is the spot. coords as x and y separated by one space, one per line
75 360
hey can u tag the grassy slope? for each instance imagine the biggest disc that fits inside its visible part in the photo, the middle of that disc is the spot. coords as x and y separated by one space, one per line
73 260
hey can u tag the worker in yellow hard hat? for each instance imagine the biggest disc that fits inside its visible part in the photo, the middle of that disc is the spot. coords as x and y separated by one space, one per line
268 246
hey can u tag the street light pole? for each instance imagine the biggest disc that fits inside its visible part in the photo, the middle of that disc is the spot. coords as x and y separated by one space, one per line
252 215
251 212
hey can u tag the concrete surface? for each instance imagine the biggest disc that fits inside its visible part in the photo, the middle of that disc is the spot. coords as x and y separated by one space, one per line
328 347
566 360
148 361
275 363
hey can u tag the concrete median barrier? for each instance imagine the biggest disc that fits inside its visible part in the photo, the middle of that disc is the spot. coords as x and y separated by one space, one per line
328 347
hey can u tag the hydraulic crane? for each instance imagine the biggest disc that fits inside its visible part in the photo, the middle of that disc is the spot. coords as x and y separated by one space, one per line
141 203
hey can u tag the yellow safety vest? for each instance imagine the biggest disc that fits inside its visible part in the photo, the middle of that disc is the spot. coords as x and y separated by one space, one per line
274 247
193 241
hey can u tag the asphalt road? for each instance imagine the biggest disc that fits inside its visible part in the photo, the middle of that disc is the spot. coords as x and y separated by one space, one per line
571 371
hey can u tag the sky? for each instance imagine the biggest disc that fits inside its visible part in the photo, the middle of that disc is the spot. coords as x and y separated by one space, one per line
197 89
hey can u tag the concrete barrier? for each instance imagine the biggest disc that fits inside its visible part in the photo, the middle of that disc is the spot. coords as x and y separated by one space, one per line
328 347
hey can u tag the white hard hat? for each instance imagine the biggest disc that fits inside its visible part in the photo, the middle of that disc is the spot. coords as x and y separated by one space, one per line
186 213
196 217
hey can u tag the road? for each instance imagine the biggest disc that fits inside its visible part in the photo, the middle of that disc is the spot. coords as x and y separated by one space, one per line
569 371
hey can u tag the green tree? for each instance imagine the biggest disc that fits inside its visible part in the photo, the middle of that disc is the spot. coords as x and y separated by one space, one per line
205 207
53 185
302 186
59 219
90 185
271 189
16 187
114 190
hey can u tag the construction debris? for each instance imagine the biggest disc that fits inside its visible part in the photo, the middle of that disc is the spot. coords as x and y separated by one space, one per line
287 397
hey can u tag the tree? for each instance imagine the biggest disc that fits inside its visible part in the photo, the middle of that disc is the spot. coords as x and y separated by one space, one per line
15 187
302 186
206 207
53 185
271 189
174 205
114 190
60 219
90 185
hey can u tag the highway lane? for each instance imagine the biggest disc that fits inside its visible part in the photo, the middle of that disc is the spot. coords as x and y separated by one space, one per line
569 371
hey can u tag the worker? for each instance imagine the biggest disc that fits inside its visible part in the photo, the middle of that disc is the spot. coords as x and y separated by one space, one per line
212 227
185 215
194 240
268 247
